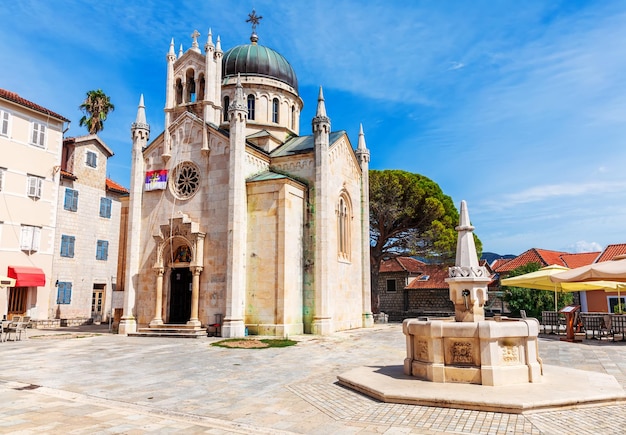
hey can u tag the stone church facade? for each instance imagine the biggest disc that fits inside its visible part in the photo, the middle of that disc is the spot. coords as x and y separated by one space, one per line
236 218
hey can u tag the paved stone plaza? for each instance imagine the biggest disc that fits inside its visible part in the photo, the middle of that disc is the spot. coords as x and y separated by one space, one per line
89 381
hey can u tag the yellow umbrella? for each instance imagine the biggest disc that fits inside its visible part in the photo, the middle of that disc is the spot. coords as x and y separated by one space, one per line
540 280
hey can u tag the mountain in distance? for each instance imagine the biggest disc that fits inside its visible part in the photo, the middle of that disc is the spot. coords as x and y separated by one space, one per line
491 256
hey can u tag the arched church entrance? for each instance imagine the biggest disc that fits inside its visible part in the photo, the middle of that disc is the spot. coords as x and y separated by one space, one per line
180 295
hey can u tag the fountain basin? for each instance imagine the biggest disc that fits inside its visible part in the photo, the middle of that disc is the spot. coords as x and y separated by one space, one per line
486 352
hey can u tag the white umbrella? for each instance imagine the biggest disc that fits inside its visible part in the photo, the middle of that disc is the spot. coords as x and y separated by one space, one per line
613 270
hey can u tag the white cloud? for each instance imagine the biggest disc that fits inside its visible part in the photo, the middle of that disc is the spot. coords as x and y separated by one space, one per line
583 246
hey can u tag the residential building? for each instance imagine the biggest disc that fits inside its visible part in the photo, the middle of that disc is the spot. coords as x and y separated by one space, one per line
31 139
88 231
235 216
410 288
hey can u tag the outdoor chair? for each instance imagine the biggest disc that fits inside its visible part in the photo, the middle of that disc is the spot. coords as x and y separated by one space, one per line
11 328
551 319
618 326
21 327
594 324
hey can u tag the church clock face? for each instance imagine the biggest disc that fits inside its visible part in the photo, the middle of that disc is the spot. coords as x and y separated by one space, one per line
186 180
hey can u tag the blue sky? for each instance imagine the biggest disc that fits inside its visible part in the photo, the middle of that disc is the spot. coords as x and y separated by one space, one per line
517 107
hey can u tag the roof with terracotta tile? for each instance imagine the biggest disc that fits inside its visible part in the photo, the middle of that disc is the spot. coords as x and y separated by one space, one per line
68 175
499 263
401 264
15 98
114 187
580 259
542 256
433 277
612 251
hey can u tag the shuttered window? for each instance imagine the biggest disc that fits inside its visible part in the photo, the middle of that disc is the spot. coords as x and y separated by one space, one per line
67 246
30 238
39 134
102 250
71 199
64 295
35 186
4 123
105 208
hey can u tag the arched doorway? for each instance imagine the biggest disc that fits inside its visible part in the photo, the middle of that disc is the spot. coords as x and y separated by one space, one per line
180 295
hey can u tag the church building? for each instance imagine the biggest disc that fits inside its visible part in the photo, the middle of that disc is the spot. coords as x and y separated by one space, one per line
236 218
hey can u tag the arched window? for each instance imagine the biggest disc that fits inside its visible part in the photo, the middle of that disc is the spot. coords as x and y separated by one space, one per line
293 117
191 87
225 108
179 91
275 110
343 228
202 83
251 102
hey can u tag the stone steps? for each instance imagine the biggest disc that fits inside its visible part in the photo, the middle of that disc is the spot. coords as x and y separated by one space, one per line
174 331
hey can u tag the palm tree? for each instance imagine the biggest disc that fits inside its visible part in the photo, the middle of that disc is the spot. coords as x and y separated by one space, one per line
96 106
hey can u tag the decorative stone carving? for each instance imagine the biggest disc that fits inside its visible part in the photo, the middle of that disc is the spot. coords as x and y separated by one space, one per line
510 354
462 353
421 350
467 272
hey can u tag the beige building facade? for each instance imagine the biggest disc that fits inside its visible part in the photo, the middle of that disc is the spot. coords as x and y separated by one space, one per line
234 217
31 138
88 228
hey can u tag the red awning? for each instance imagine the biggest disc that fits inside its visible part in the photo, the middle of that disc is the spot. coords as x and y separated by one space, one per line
27 276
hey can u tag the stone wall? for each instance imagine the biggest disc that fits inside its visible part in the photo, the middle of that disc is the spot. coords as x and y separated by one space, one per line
403 304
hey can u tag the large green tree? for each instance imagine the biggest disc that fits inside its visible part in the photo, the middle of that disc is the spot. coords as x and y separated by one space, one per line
96 108
530 300
409 215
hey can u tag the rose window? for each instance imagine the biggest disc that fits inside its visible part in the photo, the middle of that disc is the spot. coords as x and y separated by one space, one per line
186 180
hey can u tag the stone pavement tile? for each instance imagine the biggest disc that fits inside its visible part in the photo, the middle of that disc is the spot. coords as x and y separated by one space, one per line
163 385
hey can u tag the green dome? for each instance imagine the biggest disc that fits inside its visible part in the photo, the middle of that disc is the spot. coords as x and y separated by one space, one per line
257 60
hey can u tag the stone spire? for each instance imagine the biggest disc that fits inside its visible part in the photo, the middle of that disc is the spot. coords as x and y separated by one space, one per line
209 41
180 51
324 206
363 157
171 55
467 280
140 131
233 325
140 126
465 247
321 105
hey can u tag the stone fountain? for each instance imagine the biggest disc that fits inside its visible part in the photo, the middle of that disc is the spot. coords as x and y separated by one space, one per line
470 349
472 363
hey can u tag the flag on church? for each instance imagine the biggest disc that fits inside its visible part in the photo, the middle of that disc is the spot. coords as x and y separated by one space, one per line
156 180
